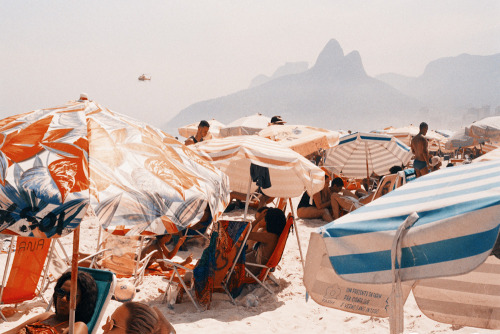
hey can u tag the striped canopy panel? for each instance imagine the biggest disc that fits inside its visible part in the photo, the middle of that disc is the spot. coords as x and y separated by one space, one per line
458 212
360 154
290 173
303 139
56 162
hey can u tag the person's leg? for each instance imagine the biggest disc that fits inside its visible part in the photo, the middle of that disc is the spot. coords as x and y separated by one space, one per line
338 203
312 212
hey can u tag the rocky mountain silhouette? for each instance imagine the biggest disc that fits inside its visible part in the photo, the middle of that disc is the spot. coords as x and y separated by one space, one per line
335 93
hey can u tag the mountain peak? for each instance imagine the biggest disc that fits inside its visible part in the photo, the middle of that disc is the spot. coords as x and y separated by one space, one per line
331 55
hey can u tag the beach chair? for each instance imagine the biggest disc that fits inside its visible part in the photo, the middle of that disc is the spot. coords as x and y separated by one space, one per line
220 268
387 184
273 260
106 282
121 255
28 266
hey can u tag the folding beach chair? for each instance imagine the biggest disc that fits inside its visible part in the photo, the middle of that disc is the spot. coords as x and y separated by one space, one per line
121 255
273 261
27 266
387 184
221 266
106 282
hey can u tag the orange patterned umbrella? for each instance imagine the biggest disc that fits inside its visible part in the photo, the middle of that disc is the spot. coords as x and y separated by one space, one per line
56 162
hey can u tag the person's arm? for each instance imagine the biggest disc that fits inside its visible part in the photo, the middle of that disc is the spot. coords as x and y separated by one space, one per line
319 204
189 141
40 317
263 237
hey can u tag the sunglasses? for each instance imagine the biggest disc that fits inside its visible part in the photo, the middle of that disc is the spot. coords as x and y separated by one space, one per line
63 293
110 324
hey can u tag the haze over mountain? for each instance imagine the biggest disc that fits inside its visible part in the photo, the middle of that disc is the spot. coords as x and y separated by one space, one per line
287 69
336 93
454 82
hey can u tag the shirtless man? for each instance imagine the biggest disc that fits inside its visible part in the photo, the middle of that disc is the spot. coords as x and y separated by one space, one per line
419 149
202 132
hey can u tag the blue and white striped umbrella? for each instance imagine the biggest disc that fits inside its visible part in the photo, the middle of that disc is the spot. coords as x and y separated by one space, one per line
442 224
358 155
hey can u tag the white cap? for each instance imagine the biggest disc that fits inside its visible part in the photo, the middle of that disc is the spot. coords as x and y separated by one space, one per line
83 97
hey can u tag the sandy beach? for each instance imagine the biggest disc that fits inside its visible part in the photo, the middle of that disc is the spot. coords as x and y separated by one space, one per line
285 312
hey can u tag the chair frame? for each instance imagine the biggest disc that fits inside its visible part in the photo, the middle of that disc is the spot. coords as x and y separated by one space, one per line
266 268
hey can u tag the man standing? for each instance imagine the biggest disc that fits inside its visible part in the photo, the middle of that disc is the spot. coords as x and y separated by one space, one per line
203 128
419 149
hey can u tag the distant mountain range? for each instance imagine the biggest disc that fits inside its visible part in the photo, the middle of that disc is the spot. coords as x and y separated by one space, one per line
336 93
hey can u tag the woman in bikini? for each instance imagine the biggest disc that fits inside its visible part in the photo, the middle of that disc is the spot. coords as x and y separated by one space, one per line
58 321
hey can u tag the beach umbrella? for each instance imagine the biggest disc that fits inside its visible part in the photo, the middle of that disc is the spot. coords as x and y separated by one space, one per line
57 163
442 224
305 140
290 173
359 155
488 128
436 140
248 125
461 139
191 129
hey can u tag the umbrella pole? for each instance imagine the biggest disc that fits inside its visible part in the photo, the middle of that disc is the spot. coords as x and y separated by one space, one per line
366 156
297 234
74 279
248 198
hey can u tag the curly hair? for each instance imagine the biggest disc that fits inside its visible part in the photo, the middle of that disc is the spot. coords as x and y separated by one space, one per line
275 221
144 319
88 295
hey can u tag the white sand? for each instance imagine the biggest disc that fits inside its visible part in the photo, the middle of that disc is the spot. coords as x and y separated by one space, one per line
285 312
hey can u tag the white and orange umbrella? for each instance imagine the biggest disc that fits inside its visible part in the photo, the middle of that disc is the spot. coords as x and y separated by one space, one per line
303 139
55 163
248 125
406 133
290 173
191 129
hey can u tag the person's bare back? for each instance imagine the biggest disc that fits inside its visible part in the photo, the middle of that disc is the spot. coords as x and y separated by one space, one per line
420 150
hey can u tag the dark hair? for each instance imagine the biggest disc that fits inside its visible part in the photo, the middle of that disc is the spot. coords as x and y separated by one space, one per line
338 182
142 319
88 295
423 125
275 221
259 210
204 124
450 164
395 169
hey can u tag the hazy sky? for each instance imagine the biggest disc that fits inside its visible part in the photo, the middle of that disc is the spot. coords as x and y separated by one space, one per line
50 51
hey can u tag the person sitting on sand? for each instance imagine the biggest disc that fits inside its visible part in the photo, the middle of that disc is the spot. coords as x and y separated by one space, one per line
201 133
345 200
58 322
134 317
265 235
320 205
